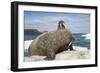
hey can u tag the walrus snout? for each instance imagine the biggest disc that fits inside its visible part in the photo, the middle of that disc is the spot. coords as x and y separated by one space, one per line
61 25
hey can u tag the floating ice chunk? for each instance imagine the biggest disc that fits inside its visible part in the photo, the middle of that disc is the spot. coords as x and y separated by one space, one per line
87 36
27 43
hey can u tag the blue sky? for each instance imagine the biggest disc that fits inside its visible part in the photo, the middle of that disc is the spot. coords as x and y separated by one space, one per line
48 21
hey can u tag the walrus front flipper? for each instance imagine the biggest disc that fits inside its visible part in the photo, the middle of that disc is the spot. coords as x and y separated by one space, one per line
71 47
50 55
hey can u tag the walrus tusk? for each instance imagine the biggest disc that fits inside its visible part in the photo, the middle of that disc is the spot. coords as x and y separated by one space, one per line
69 44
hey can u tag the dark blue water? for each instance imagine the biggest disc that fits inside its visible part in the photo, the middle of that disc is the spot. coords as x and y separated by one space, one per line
81 41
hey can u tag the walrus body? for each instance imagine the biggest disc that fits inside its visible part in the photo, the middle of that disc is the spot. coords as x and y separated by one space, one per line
50 43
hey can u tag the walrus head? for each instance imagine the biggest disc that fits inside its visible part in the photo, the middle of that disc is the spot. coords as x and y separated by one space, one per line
61 25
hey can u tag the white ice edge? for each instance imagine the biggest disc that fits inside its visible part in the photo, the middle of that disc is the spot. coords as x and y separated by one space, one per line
27 43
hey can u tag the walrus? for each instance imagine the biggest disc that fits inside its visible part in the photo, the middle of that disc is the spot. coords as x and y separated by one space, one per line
50 43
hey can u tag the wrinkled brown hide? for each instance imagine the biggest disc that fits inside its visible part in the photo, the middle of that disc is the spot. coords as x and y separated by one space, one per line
50 43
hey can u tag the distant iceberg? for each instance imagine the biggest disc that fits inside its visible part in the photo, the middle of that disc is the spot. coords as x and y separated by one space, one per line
87 36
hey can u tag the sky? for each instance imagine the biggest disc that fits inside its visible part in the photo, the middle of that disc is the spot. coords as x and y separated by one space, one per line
48 21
